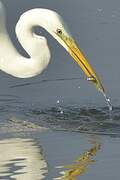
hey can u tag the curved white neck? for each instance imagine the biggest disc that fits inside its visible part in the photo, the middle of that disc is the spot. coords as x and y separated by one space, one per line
36 46
24 31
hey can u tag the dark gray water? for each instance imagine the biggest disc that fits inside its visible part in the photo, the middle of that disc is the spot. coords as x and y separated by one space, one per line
71 118
34 155
61 99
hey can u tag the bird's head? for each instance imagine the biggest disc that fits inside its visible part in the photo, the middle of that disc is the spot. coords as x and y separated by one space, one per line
55 25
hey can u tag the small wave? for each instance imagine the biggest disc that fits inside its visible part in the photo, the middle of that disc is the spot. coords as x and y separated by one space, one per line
71 118
88 120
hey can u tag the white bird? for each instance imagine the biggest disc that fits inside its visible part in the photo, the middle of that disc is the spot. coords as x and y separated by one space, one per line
36 46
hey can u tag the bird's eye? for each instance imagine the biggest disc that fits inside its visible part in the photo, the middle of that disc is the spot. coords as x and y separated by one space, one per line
59 31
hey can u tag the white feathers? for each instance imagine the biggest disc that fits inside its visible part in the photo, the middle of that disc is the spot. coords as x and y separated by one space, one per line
15 64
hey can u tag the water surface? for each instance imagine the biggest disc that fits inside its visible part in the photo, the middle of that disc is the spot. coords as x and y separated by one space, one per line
50 122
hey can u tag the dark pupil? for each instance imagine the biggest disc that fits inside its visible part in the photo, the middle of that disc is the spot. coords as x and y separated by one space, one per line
59 31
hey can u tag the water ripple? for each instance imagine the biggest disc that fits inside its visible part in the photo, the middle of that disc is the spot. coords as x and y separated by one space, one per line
73 118
90 120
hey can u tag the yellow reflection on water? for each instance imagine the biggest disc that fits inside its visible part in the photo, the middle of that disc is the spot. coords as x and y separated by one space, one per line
80 165
21 159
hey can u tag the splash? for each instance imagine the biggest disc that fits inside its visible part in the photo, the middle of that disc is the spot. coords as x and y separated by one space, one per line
60 109
100 88
108 101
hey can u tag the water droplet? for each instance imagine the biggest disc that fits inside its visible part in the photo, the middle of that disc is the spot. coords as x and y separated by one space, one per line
108 103
58 101
90 79
61 112
99 9
78 87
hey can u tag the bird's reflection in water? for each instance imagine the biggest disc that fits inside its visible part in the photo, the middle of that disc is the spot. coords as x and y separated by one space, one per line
21 159
71 172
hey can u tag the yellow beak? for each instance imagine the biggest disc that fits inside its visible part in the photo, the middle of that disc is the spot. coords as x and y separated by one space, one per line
83 63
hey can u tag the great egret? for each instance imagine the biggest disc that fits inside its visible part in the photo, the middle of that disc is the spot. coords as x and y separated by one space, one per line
36 46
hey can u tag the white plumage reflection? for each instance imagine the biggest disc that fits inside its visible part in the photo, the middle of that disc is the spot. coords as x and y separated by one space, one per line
36 46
